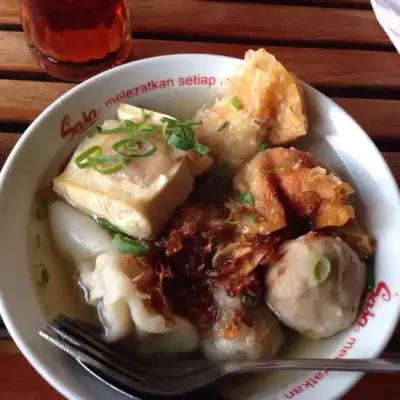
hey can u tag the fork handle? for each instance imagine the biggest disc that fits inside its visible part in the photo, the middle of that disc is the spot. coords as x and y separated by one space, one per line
349 365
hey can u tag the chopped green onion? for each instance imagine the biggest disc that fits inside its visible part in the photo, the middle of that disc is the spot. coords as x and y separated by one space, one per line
263 145
107 225
177 141
236 103
168 120
320 269
201 149
145 117
115 130
144 126
223 126
180 134
41 212
279 166
82 161
130 127
174 123
245 198
129 124
127 245
102 164
130 147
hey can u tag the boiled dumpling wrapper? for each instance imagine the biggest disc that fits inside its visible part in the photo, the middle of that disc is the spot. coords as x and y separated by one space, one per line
229 341
107 276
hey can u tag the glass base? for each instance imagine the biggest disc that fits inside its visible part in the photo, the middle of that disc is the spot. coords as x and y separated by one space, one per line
77 72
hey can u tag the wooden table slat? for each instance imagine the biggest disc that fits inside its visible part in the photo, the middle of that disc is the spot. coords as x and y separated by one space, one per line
328 67
250 20
328 3
336 45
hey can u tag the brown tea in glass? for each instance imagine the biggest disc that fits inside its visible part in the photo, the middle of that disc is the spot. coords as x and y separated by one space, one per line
76 39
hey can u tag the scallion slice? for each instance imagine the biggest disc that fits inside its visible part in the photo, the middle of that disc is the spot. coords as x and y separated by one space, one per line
115 130
145 117
280 165
127 245
107 225
236 103
263 145
131 147
245 198
180 142
201 149
143 126
223 126
107 165
82 161
320 269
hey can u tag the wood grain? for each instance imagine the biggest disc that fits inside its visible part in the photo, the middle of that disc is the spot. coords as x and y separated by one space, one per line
244 20
379 118
256 21
328 67
328 3
19 381
22 101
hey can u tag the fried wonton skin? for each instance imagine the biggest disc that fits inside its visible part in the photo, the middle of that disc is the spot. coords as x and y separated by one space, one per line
262 102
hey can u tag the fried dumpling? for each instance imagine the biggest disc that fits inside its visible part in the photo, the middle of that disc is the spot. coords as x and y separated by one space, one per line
262 102
281 177
252 179
310 190
141 196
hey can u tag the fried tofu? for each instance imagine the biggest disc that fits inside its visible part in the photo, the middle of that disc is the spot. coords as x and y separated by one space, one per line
140 198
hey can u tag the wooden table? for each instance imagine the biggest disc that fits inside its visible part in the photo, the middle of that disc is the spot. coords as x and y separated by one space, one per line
335 45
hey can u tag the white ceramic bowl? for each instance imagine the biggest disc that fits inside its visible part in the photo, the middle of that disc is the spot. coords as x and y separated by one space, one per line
188 82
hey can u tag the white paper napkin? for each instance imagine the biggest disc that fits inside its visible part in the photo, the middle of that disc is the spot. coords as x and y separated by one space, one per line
388 14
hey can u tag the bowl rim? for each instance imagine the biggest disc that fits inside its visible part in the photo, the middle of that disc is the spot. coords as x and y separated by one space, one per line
47 374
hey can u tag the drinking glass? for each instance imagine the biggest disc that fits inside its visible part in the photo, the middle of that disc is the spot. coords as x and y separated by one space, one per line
76 39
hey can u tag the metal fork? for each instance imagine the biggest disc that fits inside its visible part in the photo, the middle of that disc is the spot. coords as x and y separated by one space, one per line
83 342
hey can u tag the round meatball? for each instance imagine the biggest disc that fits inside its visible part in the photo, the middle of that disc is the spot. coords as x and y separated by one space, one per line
316 287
